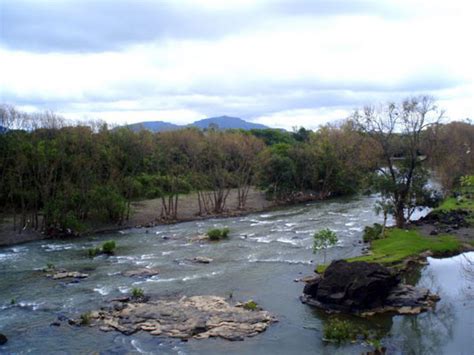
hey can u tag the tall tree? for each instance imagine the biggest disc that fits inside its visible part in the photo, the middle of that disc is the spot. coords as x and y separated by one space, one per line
397 129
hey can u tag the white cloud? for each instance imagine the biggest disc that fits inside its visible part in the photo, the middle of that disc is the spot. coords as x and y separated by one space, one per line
284 70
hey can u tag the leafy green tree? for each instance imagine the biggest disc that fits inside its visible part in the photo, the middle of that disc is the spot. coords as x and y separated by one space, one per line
323 240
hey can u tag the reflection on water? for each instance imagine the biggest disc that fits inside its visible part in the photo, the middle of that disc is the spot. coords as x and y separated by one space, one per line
260 260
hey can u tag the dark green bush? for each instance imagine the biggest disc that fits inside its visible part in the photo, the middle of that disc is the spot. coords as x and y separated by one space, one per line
372 233
217 234
108 247
137 292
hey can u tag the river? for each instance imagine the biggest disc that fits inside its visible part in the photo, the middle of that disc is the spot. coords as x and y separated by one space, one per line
260 260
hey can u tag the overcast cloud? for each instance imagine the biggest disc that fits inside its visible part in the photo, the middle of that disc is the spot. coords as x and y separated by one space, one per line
281 63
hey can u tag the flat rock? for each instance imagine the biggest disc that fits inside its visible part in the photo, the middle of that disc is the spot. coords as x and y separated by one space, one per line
202 260
59 275
197 317
142 272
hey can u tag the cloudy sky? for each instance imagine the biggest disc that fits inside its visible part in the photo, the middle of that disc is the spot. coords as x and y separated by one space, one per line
281 63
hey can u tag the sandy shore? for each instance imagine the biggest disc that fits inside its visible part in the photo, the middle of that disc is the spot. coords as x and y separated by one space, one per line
147 213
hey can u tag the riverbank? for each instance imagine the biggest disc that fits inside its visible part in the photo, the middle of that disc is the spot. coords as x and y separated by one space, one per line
446 231
146 213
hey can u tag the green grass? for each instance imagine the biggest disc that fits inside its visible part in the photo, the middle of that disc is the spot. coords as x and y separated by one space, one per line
451 204
400 244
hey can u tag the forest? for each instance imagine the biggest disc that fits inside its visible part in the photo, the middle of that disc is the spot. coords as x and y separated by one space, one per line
59 174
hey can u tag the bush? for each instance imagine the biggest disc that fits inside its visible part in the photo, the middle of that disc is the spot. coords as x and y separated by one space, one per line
109 247
93 252
85 318
339 331
217 234
225 232
137 292
372 233
250 305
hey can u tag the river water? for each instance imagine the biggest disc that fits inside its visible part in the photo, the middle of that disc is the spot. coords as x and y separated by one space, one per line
260 260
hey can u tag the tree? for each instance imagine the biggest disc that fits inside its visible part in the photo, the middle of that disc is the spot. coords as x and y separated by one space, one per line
322 240
396 129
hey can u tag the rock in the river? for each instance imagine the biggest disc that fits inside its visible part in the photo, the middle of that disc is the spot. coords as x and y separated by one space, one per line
367 288
3 339
196 317
59 275
202 260
143 272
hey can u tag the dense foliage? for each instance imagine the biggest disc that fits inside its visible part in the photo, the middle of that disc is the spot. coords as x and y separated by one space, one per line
55 174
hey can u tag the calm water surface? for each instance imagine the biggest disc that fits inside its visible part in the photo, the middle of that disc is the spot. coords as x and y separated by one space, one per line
260 260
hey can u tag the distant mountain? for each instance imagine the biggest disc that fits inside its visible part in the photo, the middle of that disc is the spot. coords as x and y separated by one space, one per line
154 126
222 122
227 122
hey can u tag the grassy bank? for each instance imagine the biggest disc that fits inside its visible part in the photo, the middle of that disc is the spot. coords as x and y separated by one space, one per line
399 244
452 204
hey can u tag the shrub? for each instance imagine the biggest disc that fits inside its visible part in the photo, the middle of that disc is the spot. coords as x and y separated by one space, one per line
93 252
85 318
108 247
339 331
250 305
217 234
225 232
372 233
137 292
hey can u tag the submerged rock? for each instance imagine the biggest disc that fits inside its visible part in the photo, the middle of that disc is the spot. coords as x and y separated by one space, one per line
143 272
197 317
3 339
365 288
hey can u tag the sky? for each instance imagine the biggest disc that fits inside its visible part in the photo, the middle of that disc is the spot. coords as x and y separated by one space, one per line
286 64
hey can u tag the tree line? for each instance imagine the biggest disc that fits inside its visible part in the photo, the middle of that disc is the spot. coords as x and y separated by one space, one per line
57 175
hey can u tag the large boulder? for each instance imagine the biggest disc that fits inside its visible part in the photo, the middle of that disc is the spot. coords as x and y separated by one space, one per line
365 289
348 286
3 339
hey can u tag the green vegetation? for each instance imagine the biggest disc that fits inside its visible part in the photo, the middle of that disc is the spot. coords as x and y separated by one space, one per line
85 318
339 331
218 234
250 305
93 252
372 233
322 240
400 244
60 178
137 293
108 248
453 203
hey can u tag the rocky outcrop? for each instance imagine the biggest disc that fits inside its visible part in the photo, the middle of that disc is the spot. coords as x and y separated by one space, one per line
445 221
142 272
365 288
197 317
3 339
